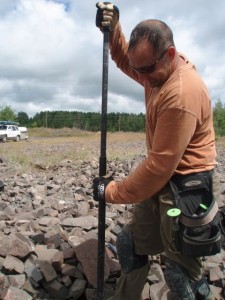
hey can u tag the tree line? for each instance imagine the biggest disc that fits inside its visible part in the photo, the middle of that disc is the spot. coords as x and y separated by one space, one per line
91 121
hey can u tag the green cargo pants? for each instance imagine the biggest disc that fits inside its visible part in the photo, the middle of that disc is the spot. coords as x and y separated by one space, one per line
153 234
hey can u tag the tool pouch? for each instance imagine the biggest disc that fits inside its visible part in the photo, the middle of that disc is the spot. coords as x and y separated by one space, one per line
201 222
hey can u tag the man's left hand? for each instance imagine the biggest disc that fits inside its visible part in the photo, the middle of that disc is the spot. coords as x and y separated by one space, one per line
99 186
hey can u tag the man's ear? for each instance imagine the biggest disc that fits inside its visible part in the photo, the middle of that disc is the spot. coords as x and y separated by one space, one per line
172 52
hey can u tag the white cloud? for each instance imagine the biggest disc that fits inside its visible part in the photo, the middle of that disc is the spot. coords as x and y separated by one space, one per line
37 37
51 52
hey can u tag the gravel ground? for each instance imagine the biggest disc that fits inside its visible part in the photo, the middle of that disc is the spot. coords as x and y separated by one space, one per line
65 167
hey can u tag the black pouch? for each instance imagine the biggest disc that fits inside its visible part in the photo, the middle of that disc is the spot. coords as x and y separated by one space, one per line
201 223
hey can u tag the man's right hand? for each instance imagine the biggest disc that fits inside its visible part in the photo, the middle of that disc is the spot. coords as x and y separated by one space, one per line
107 16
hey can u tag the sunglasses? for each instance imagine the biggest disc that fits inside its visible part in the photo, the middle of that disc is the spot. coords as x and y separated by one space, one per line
151 68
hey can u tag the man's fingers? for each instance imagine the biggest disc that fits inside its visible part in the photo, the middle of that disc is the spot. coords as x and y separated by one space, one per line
104 6
107 18
107 13
100 5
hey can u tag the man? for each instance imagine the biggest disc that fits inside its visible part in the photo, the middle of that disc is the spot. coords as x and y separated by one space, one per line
180 141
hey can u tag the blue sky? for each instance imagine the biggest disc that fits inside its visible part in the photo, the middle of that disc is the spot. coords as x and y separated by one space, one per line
51 52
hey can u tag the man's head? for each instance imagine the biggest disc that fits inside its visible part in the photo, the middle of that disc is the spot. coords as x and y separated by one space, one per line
152 51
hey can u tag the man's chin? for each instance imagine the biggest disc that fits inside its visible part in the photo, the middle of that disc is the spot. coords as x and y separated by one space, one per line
156 83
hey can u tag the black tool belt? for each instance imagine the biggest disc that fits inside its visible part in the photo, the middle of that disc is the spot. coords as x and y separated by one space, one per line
201 224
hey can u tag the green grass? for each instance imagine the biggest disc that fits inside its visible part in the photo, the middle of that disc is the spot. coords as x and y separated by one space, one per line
48 147
61 132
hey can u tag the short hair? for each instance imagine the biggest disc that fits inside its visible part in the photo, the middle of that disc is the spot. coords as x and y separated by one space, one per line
156 32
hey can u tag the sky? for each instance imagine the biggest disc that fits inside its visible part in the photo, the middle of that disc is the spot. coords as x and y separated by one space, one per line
51 52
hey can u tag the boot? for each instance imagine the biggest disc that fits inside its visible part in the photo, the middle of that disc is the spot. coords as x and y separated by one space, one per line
177 282
201 289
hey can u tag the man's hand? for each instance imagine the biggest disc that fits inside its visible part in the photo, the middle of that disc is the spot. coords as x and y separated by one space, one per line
107 15
99 186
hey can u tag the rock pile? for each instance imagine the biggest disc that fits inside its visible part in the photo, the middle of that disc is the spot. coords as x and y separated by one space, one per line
48 234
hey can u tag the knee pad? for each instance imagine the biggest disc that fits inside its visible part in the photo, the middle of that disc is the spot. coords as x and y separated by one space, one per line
128 259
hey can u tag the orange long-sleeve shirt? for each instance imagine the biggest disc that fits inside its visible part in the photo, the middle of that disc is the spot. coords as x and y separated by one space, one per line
179 129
